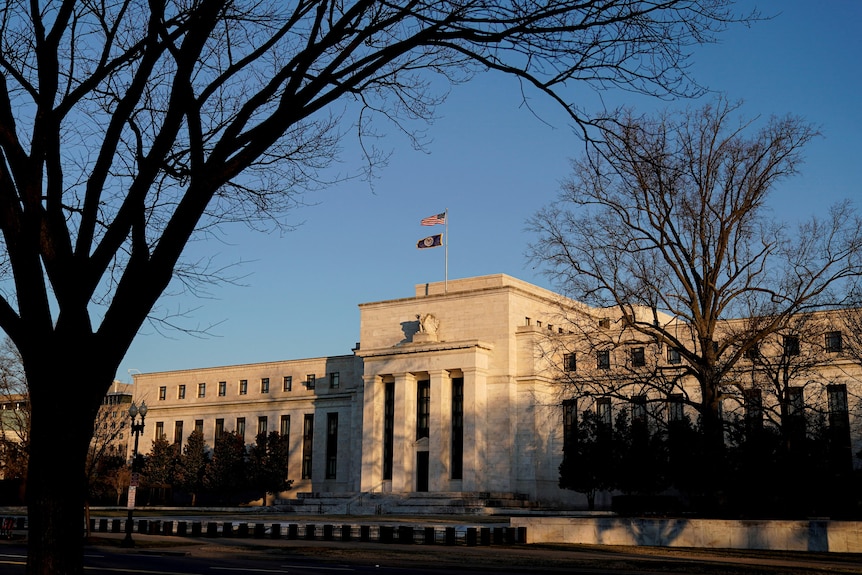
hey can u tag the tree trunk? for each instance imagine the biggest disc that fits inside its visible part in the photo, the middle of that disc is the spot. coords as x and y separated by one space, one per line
55 495
64 404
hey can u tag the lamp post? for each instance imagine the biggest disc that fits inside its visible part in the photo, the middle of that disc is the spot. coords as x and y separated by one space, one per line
137 429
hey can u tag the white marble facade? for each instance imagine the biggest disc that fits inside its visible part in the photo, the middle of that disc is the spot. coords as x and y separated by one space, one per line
449 390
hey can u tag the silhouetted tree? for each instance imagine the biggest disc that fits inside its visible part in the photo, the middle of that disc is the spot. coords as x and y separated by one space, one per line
227 473
267 461
192 465
665 222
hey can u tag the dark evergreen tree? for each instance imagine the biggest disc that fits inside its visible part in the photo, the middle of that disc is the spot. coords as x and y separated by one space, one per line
268 459
192 465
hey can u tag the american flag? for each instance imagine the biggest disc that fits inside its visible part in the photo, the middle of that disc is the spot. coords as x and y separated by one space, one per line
434 220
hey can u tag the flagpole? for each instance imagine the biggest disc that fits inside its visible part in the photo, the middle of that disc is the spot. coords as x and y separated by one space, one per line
446 256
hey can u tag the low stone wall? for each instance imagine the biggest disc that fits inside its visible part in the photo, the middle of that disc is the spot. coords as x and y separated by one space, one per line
811 535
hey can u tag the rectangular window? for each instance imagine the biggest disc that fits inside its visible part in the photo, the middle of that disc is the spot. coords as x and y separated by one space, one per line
240 427
264 385
307 444
284 427
163 393
603 411
605 323
222 388
160 429
753 409
243 386
331 445
603 359
752 352
457 464
287 384
202 390
309 381
570 427
423 408
639 411
638 357
673 356
262 424
840 450
833 342
219 429
334 380
199 425
178 432
795 421
181 392
388 428
675 411
570 362
791 345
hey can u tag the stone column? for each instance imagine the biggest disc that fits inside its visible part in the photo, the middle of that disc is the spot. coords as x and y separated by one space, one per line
404 455
372 433
475 426
440 436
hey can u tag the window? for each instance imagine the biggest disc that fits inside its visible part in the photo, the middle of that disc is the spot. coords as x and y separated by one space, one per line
673 356
219 429
791 345
833 342
570 427
160 429
603 359
388 428
331 445
240 427
457 455
284 427
334 380
675 410
423 408
178 432
753 409
287 385
752 352
264 385
795 423
638 357
202 390
262 424
307 444
243 386
639 410
163 393
199 425
222 388
603 411
309 381
840 451
605 323
570 362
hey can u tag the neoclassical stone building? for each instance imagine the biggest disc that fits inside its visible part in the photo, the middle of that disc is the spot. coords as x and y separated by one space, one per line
452 390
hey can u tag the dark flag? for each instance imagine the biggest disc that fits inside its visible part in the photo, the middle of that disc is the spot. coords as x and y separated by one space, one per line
430 242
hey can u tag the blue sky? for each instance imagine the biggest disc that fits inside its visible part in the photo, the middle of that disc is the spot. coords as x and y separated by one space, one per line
492 164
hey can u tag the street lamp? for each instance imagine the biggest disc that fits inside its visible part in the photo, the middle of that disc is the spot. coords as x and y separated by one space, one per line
137 429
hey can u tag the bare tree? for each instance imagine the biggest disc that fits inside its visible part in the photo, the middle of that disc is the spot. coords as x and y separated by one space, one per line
129 128
14 414
665 223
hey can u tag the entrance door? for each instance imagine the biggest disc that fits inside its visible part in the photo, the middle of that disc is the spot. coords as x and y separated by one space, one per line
422 471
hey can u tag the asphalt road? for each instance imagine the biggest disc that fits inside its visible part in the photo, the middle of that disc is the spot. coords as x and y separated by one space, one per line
159 555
